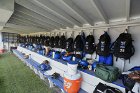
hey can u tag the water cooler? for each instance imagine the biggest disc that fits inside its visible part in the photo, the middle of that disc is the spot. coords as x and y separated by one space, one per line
72 78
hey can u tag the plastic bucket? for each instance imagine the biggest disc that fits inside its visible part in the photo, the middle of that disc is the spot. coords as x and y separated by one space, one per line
72 67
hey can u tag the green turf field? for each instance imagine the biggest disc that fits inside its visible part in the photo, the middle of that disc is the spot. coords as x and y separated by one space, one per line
15 77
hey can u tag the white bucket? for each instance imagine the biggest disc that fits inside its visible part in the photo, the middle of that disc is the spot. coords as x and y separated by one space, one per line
72 69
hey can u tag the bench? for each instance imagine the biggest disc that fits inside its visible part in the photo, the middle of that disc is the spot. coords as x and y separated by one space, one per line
89 79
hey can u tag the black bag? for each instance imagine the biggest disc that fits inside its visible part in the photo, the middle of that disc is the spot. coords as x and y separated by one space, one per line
78 44
102 88
40 39
89 46
103 47
35 40
27 39
128 82
62 42
51 42
43 40
69 44
56 39
47 40
123 47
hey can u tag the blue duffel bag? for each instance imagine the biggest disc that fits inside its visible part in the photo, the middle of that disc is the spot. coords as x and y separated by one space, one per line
106 60
56 55
83 64
67 58
41 51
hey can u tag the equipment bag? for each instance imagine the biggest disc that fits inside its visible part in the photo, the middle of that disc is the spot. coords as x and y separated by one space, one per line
69 45
78 44
102 88
67 58
83 64
107 73
56 55
56 39
107 60
51 42
50 53
128 82
41 51
123 47
89 46
62 42
43 40
47 40
103 47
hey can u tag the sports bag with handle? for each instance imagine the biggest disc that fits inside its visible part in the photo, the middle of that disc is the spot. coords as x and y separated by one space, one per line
47 40
89 45
43 39
56 39
62 42
51 42
107 73
102 88
69 44
123 47
78 44
103 47
107 60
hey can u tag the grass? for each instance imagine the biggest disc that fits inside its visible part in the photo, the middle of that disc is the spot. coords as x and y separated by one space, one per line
15 77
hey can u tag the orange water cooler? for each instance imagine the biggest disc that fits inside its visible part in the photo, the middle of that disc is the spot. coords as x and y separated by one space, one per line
72 78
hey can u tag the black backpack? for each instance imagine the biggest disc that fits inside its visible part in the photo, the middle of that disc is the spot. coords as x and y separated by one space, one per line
89 46
44 38
62 42
35 39
27 39
47 40
56 39
51 42
69 44
123 47
103 88
78 44
103 47
38 39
